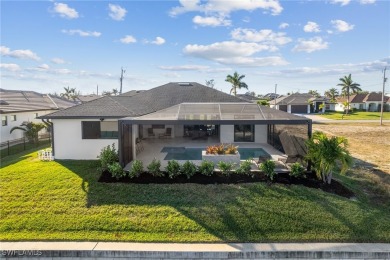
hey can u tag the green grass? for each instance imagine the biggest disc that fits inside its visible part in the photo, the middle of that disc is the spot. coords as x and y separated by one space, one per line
62 200
356 115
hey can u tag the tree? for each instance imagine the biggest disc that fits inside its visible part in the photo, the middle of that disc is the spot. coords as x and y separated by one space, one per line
263 102
332 94
210 83
115 91
30 129
70 93
326 153
347 85
314 93
236 82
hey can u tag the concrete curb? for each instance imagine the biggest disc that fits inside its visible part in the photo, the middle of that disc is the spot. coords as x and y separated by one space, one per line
99 250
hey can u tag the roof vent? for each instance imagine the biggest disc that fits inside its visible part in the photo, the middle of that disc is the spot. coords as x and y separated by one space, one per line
184 84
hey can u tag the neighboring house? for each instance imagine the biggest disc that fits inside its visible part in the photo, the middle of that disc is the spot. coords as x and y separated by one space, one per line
86 98
299 103
18 106
365 102
249 98
174 110
271 96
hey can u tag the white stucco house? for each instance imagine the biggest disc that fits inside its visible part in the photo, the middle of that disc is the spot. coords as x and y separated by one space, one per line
173 113
17 106
301 103
364 102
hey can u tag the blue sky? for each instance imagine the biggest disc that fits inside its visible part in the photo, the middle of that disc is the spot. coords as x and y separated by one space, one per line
299 45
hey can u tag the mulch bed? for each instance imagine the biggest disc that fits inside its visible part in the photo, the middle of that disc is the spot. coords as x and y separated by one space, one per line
217 178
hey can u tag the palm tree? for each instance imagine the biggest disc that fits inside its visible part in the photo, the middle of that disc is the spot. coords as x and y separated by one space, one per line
115 91
210 83
70 93
31 130
347 84
236 82
332 94
326 153
314 93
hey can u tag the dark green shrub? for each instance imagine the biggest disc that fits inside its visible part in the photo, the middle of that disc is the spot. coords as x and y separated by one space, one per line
173 169
116 170
108 155
188 169
268 167
206 168
245 168
154 168
297 170
137 168
226 167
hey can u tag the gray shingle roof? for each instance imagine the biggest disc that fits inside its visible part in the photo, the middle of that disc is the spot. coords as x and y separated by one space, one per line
294 99
145 102
19 101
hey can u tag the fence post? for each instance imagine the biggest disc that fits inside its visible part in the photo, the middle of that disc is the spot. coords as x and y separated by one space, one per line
8 147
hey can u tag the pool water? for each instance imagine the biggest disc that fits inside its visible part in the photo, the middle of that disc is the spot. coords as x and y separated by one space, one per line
183 153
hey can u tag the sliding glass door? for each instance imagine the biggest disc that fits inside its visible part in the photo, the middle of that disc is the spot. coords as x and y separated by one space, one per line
244 133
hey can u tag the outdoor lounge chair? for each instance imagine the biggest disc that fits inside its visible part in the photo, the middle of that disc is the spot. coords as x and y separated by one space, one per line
167 134
150 132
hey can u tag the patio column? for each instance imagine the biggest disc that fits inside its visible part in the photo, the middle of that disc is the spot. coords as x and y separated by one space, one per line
289 109
308 109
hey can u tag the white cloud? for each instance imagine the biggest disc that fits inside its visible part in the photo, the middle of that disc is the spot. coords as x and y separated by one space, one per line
226 7
158 41
117 12
199 68
310 45
82 33
342 26
341 2
234 53
19 54
367 2
57 61
311 27
128 39
171 75
65 11
10 66
212 21
44 66
283 25
265 36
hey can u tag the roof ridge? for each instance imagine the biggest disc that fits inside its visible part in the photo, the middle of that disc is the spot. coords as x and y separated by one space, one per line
121 105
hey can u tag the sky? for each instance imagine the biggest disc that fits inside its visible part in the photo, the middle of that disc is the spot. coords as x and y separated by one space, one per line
298 45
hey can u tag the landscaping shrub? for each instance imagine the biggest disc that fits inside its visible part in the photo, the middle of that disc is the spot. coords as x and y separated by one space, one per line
226 167
220 149
116 170
231 149
154 168
173 169
136 169
206 168
297 170
245 168
188 169
268 167
212 149
108 155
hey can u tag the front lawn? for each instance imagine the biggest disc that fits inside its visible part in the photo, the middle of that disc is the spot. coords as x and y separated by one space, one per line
62 200
356 115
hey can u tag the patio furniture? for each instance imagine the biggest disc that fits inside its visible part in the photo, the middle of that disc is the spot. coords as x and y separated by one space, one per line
150 132
46 155
167 134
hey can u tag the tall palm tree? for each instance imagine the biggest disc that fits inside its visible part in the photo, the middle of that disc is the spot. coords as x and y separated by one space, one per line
236 82
314 93
347 84
70 93
332 94
326 153
31 130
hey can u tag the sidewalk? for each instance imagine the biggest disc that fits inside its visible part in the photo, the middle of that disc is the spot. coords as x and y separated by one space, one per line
105 250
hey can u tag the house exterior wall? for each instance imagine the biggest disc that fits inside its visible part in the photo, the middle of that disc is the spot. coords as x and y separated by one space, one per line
68 142
227 134
20 118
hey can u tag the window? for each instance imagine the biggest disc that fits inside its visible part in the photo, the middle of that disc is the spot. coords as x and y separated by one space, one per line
99 130
13 118
244 133
4 120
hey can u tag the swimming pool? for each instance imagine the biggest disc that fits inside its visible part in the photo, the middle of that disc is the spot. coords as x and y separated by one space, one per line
184 153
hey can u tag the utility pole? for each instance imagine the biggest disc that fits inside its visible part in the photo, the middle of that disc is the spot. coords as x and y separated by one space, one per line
121 79
383 94
276 87
97 90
